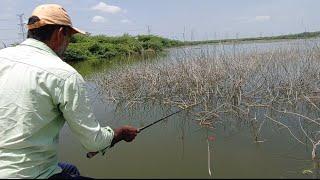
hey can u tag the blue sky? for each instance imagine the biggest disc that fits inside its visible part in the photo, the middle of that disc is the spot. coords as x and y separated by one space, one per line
178 19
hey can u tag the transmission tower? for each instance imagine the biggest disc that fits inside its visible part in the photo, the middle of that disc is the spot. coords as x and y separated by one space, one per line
184 33
22 26
192 35
149 29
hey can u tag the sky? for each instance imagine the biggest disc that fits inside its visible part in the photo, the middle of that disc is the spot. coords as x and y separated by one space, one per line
175 19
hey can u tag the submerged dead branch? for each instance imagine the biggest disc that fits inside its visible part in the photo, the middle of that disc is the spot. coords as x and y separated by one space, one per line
234 82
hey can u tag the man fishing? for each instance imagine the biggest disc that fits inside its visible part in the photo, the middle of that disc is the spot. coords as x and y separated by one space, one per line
39 93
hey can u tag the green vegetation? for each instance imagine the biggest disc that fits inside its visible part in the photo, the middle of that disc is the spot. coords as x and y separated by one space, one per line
103 47
305 35
83 47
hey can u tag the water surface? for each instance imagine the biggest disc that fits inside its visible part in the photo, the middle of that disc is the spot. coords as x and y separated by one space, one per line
178 147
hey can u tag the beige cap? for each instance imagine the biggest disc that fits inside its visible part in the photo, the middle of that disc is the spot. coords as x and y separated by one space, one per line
52 14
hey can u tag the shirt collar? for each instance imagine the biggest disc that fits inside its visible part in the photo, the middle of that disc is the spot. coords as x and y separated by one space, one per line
38 44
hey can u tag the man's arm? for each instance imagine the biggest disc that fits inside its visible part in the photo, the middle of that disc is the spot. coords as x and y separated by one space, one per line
76 109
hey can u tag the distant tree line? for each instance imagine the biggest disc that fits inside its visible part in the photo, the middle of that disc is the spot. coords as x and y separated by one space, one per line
84 47
303 35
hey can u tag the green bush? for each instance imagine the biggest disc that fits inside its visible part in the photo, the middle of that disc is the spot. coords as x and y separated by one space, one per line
153 44
85 46
74 53
79 38
96 48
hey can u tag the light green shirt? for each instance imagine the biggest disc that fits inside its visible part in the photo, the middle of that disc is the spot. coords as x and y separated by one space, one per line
38 94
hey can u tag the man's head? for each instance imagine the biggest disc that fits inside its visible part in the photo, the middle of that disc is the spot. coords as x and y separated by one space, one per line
51 24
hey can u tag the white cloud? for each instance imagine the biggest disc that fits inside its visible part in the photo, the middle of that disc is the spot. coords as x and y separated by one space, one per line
98 19
253 19
125 21
262 18
103 7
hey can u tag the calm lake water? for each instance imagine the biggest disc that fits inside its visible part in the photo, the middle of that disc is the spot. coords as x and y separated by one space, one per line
178 148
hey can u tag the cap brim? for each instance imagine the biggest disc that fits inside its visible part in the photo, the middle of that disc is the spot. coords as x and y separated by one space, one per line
76 30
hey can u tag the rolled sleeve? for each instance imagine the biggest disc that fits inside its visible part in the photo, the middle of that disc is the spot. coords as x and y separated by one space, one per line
75 106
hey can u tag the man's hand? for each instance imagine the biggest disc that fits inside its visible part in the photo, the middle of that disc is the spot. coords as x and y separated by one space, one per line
127 133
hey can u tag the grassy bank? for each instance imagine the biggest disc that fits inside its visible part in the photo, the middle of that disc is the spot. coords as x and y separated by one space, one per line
304 35
103 47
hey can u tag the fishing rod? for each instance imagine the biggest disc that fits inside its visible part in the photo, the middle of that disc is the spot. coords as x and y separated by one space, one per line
92 154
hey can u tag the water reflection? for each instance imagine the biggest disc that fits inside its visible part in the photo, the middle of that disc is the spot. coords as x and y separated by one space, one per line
89 67
177 147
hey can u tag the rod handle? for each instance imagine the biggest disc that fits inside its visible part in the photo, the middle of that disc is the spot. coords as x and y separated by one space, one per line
91 154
